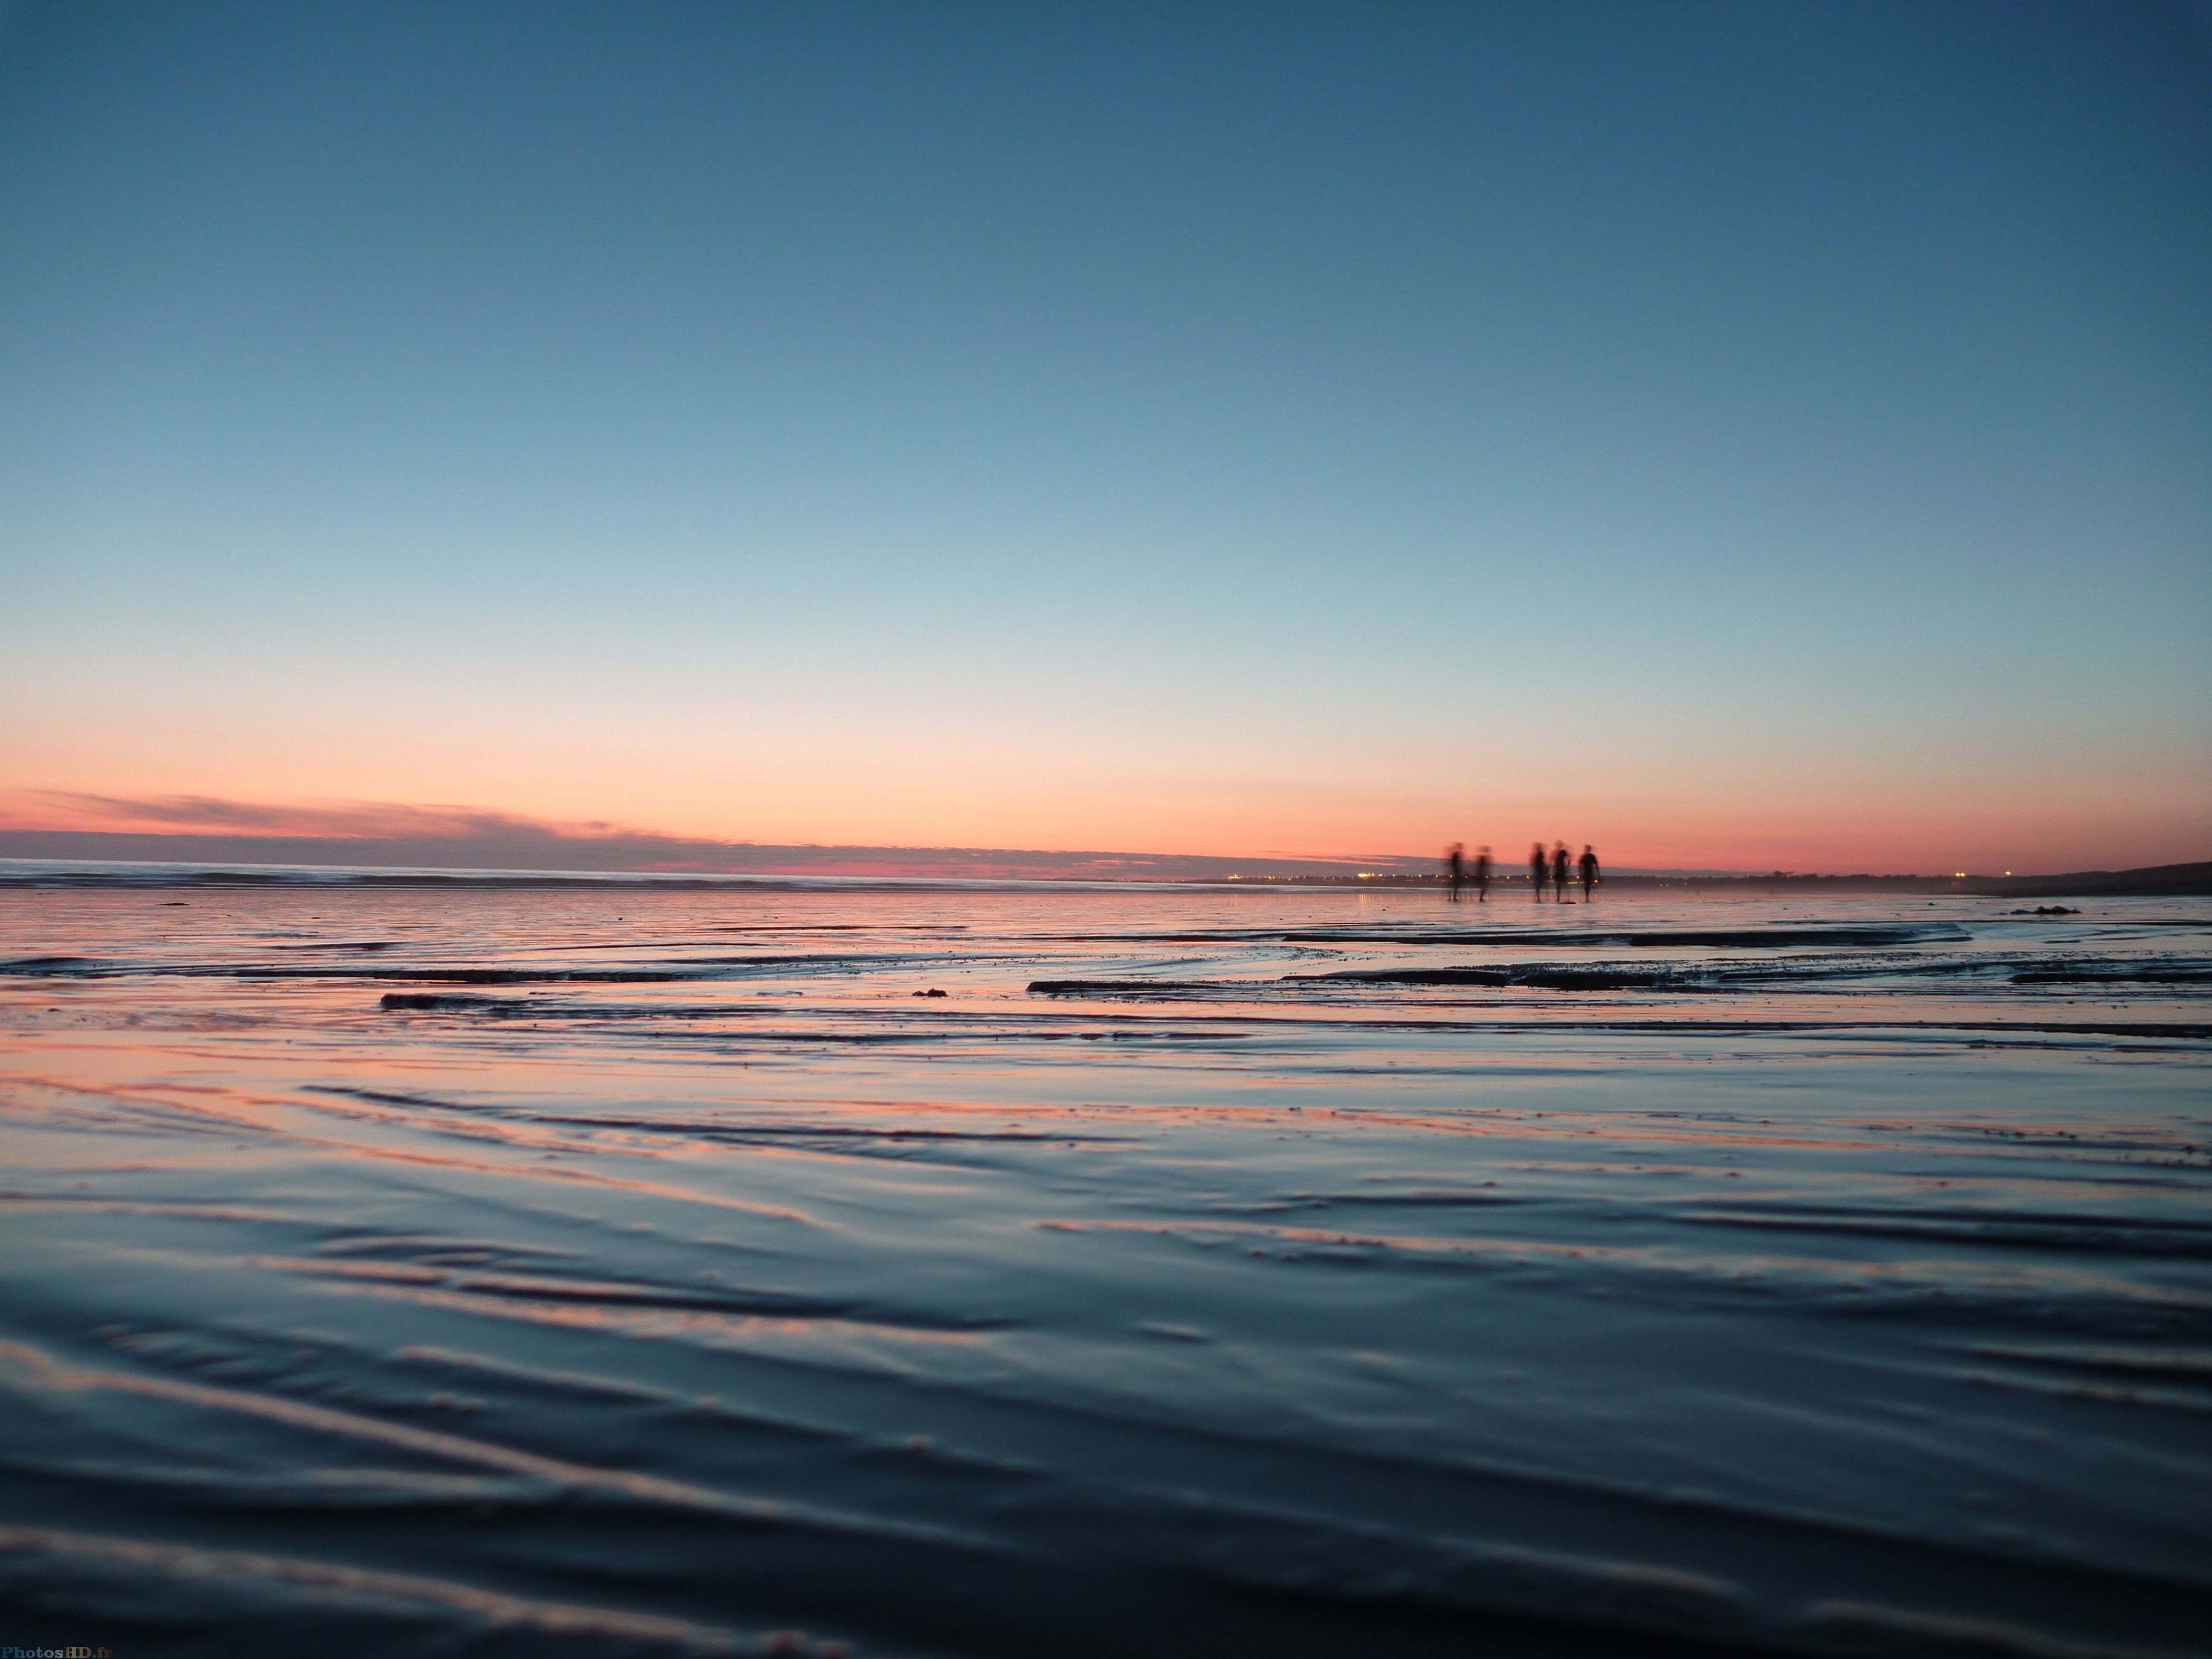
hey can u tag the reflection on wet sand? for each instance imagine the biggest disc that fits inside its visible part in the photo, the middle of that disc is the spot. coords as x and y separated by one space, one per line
1299 1273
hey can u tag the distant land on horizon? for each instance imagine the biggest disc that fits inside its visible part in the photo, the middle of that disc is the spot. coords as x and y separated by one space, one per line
521 845
538 854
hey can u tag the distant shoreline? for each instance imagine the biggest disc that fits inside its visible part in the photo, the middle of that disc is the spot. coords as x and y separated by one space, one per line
2163 880
2168 880
513 854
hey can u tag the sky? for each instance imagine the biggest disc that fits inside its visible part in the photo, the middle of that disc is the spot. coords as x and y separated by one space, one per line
1741 436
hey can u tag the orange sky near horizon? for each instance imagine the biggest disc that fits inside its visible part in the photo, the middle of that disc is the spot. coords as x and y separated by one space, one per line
1742 809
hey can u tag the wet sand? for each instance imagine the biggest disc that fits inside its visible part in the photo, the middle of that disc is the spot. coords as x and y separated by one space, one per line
613 1271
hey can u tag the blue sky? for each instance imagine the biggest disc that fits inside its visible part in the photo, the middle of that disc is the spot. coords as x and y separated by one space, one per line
1726 431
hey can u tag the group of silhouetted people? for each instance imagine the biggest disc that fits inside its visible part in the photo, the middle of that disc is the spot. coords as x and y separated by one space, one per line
1552 866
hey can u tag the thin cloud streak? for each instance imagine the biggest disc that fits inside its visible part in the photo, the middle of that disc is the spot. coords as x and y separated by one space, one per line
333 819
204 829
342 820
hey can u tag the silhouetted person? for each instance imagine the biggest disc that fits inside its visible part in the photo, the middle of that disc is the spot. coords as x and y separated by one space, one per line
1455 867
1589 863
1536 869
1482 876
1560 869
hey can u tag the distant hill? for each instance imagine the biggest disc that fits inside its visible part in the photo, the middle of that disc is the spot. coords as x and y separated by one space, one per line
2156 880
2177 878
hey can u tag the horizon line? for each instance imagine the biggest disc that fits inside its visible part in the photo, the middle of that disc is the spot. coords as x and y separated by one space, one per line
735 860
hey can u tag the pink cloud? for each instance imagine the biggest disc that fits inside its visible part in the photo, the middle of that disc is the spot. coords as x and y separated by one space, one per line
205 828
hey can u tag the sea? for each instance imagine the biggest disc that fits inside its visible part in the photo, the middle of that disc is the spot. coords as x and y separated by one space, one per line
397 1265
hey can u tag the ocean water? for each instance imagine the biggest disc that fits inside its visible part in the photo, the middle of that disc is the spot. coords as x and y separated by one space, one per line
604 1269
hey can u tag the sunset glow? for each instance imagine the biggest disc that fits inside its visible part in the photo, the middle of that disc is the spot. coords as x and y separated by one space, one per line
1123 469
